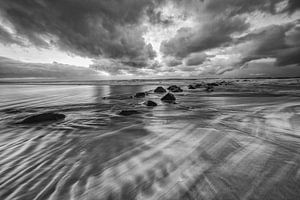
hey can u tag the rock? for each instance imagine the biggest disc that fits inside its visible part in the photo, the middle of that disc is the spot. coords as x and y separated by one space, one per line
43 117
168 98
175 88
160 90
198 85
212 84
209 89
140 95
128 112
150 103
191 87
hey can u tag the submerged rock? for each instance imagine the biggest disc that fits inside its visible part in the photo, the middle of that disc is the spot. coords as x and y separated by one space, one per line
212 84
198 85
150 103
140 95
175 88
160 90
43 117
191 87
209 89
128 112
168 98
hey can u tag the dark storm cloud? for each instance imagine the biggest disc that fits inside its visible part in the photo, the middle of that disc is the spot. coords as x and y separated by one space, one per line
234 7
155 17
220 20
196 59
293 5
281 42
213 34
89 28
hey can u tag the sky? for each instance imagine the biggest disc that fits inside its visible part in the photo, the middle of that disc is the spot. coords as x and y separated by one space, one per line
156 38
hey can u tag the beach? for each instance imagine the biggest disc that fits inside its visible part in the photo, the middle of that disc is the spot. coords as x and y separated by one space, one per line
240 141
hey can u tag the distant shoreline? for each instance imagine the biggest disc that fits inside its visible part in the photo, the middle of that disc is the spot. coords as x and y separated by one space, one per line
51 81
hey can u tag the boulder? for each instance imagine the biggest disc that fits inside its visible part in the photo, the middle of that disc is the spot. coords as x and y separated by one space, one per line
43 117
168 98
140 95
150 103
175 88
128 112
212 84
160 90
191 87
198 85
209 89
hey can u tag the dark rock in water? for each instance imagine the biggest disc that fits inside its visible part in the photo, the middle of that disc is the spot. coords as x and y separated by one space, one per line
212 84
140 95
198 85
191 87
128 112
175 88
150 103
172 87
168 98
160 90
43 117
222 83
209 89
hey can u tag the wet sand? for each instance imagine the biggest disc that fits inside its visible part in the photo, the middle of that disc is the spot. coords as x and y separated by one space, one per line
241 141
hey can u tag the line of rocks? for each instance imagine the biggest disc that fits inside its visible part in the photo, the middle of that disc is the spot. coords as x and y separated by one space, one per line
168 98
209 87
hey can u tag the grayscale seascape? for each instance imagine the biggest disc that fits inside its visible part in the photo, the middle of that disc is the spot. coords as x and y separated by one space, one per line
149 99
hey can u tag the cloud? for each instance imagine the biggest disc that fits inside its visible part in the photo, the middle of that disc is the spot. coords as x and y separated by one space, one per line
88 28
292 6
7 38
210 35
196 59
235 7
222 19
115 68
10 68
157 17
276 41
218 24
172 61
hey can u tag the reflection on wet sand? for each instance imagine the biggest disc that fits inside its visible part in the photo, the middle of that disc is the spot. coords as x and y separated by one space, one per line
207 146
